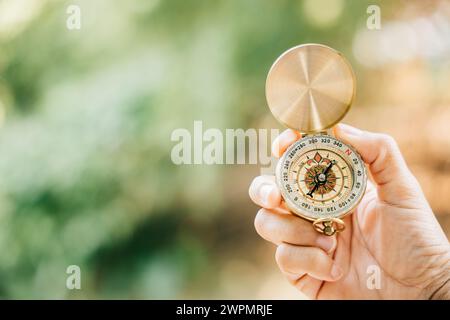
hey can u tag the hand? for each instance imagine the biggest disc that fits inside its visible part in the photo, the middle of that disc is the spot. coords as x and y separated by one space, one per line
393 228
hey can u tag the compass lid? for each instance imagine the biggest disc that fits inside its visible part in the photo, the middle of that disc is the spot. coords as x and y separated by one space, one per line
310 88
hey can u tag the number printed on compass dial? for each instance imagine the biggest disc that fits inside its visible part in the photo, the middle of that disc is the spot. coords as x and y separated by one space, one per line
320 176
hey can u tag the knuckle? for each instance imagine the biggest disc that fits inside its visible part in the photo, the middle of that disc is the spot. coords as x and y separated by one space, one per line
255 183
389 149
302 284
387 141
299 231
315 258
260 180
297 226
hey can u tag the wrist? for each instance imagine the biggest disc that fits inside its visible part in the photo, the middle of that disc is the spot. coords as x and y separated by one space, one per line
440 290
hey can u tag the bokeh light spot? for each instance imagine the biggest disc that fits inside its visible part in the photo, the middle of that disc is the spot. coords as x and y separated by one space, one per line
323 13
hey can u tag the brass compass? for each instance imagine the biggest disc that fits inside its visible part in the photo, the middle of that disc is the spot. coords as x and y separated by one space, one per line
310 88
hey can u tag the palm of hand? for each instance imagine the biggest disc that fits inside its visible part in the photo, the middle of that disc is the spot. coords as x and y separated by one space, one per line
382 252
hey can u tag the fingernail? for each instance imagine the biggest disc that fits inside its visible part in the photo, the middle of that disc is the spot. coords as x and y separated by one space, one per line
276 150
284 138
264 193
326 243
336 272
349 129
288 135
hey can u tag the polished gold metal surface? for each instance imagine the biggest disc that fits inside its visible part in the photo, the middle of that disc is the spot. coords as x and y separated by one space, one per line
310 88
329 226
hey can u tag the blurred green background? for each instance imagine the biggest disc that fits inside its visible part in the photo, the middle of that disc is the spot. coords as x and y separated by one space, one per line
86 117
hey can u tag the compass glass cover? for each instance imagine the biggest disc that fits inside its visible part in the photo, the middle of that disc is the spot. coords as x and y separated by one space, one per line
321 177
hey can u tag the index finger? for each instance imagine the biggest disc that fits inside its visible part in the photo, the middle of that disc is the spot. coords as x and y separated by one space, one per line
283 141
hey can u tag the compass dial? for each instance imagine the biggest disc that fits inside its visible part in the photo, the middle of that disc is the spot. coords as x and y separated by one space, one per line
321 177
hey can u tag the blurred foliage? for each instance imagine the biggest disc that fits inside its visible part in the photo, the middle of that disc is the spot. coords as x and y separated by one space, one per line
85 170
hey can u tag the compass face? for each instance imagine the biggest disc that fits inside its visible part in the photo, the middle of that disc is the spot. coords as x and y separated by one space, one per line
321 177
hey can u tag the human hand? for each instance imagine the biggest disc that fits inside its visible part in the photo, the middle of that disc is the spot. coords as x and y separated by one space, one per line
393 228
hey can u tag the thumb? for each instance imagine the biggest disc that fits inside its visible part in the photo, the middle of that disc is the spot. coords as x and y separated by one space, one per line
396 184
